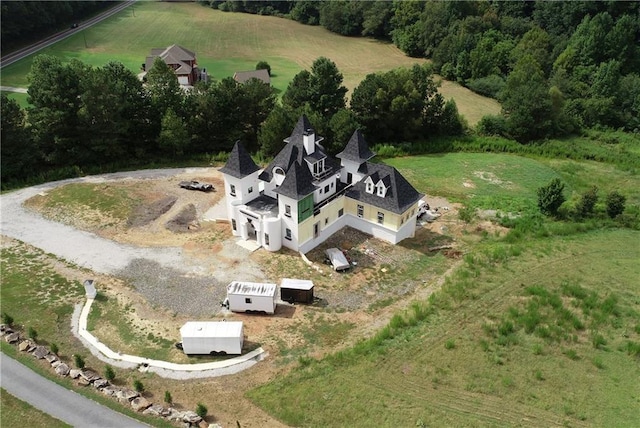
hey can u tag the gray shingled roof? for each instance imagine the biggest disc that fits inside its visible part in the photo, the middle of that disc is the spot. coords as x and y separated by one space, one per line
400 195
294 151
357 149
243 76
239 164
298 182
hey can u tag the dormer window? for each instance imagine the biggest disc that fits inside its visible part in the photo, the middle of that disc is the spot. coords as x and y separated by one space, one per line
382 190
369 185
318 167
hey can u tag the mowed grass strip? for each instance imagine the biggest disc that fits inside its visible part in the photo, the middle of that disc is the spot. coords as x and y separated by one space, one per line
448 371
227 42
16 413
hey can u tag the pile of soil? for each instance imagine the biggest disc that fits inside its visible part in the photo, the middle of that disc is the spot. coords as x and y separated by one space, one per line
145 214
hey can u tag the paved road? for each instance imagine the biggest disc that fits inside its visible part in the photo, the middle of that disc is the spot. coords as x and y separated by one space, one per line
57 401
19 54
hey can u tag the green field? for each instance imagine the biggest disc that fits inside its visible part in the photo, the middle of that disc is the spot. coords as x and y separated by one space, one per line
527 332
229 42
469 362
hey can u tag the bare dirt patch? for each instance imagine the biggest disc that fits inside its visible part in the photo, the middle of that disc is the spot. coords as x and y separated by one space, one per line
351 305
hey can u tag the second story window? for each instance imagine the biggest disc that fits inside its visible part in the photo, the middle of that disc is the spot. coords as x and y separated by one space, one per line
232 190
287 210
250 189
360 211
380 217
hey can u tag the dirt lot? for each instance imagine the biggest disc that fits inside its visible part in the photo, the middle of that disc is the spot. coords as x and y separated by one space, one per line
351 306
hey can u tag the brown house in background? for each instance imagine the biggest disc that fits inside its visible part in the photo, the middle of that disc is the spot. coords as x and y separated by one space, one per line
181 60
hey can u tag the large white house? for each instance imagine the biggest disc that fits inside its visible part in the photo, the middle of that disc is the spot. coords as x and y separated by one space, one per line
304 196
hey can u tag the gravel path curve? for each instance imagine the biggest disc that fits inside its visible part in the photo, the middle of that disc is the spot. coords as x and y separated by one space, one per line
164 276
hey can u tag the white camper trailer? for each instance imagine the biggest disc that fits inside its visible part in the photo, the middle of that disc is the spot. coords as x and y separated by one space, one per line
251 297
206 337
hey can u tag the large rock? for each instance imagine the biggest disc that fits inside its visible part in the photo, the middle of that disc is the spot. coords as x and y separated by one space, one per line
75 373
100 383
89 375
203 424
12 337
56 363
154 410
140 403
110 390
62 369
174 415
191 417
5 329
51 358
126 395
26 346
83 382
40 352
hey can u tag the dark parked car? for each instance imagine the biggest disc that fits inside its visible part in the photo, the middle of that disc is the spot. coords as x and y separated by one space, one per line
196 185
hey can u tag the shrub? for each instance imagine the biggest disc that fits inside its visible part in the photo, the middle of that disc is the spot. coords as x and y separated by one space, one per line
550 197
7 319
489 86
572 354
168 398
138 386
54 348
539 375
598 341
450 344
587 202
32 333
615 204
492 126
597 361
466 213
263 65
78 361
201 410
109 374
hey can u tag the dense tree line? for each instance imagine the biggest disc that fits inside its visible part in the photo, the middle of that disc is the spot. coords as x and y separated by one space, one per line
583 56
92 118
28 21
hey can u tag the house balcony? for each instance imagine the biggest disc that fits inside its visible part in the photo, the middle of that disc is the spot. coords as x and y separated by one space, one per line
340 191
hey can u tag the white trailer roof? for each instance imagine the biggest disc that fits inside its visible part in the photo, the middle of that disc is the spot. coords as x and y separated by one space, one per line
251 289
211 329
296 284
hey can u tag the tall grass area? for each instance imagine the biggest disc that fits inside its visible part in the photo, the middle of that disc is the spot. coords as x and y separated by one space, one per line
536 335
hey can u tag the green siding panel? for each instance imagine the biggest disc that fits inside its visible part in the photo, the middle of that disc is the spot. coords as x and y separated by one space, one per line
305 208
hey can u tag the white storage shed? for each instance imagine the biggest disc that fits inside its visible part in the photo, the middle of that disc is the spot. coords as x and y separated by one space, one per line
251 296
206 337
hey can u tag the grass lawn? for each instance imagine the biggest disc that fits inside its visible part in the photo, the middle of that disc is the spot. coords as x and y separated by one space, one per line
509 182
463 366
16 412
229 42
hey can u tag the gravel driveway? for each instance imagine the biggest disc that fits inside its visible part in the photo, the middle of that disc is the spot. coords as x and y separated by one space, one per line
164 276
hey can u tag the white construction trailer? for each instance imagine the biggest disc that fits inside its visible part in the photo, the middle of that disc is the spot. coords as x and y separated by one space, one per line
208 337
251 297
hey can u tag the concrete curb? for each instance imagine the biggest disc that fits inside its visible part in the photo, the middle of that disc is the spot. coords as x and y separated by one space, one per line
161 368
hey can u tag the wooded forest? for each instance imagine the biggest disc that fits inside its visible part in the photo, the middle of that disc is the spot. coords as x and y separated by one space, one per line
556 67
